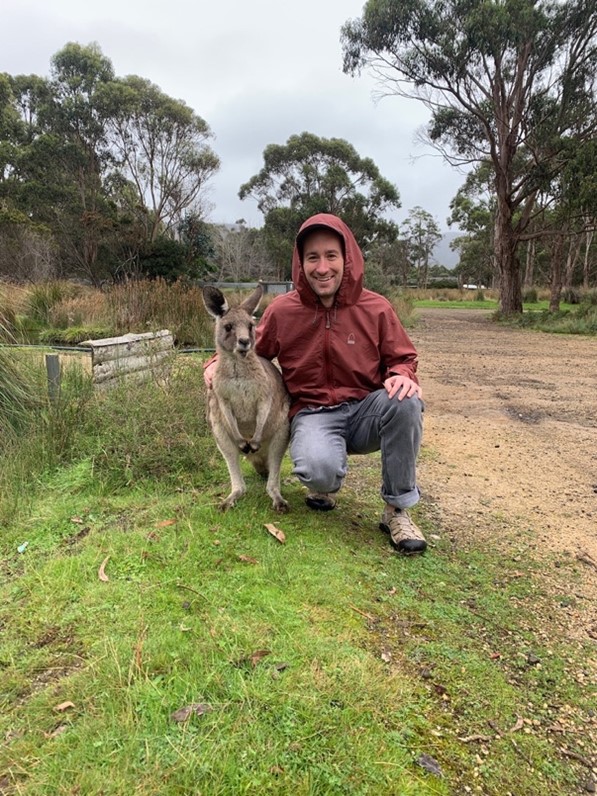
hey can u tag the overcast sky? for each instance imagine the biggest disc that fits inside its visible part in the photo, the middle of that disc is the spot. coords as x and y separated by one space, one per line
257 71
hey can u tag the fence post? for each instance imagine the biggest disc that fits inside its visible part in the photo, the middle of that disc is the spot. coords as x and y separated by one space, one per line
53 371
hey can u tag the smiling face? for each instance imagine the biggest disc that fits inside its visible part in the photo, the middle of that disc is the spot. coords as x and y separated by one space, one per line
323 264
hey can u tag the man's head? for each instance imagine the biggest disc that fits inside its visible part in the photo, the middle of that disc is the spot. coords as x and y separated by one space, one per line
322 255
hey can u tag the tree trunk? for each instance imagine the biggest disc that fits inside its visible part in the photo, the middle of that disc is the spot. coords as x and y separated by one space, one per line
507 262
572 259
589 240
529 271
556 274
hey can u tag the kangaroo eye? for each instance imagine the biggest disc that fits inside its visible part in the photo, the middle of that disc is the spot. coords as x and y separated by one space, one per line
228 327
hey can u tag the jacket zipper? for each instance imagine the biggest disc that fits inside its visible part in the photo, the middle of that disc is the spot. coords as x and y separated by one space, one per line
328 358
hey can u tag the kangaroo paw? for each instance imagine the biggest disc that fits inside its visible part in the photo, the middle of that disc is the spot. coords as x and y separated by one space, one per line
281 505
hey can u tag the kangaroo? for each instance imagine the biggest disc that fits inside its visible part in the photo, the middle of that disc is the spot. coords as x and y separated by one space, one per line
247 405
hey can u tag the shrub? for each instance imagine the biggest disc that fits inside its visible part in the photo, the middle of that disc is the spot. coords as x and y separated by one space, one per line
571 295
404 306
44 296
480 295
530 295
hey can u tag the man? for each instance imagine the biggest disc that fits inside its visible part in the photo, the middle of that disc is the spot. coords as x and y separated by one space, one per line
350 370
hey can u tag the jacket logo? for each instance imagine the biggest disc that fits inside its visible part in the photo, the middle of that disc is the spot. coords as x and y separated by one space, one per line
350 339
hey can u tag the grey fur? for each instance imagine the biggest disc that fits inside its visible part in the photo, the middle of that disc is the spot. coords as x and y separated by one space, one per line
247 405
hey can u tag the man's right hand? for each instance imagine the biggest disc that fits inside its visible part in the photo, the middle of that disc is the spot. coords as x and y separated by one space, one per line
208 374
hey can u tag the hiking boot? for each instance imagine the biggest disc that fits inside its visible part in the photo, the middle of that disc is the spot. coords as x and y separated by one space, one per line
320 501
404 534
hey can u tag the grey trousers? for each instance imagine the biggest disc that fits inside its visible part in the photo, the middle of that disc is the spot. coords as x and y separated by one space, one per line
321 439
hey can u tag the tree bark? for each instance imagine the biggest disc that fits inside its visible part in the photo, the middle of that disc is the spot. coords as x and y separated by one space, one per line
505 242
556 274
529 272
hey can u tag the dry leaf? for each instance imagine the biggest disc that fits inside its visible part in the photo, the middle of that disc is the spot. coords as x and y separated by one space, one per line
102 570
258 656
275 532
518 726
182 714
55 733
386 656
78 520
64 706
165 523
248 559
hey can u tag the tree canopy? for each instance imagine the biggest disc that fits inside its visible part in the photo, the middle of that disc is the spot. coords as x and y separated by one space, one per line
509 82
105 168
309 175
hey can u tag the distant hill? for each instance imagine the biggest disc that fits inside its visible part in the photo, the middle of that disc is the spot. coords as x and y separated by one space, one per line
442 252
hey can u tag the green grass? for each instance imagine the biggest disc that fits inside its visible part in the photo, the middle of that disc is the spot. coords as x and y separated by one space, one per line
487 304
330 664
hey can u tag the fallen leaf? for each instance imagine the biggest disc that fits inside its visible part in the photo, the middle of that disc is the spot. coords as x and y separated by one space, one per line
165 523
430 764
78 520
258 656
152 537
518 726
495 656
275 532
392 591
64 706
55 733
386 656
182 714
276 771
102 570
248 559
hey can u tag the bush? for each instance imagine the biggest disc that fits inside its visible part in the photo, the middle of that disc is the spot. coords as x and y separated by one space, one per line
571 295
530 295
404 306
480 295
44 296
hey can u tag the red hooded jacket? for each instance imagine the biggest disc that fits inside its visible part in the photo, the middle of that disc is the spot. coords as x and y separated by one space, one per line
329 356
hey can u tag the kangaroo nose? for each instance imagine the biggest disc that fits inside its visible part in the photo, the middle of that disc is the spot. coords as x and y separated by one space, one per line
244 342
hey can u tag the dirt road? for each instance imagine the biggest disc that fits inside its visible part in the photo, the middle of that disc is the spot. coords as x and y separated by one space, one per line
510 441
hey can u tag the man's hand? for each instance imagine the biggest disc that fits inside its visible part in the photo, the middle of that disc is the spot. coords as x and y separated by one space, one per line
208 374
402 387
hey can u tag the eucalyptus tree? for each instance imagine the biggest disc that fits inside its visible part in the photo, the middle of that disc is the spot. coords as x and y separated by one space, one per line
309 175
421 233
506 81
161 145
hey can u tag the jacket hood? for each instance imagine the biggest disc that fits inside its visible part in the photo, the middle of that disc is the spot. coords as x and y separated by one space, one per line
352 281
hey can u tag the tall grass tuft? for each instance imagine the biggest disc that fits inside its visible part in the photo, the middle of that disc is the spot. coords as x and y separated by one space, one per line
404 305
36 434
43 297
135 306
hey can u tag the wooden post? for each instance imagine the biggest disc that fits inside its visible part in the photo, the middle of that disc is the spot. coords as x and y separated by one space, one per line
53 371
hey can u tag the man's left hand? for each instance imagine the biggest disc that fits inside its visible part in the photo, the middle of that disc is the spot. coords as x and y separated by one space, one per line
402 387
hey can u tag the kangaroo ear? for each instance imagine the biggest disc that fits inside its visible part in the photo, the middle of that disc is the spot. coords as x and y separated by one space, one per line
214 301
250 304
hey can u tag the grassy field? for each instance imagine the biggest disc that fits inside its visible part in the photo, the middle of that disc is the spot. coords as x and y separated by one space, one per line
153 645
